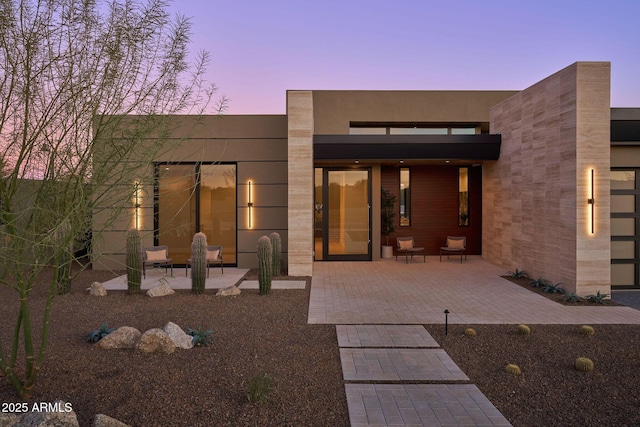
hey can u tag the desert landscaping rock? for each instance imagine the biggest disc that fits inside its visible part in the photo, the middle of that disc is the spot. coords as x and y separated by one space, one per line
161 290
123 337
60 418
97 290
102 420
155 341
230 291
178 336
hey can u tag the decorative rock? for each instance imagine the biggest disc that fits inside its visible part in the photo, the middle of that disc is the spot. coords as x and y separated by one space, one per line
102 420
180 338
9 419
97 290
231 290
62 415
160 291
155 341
123 337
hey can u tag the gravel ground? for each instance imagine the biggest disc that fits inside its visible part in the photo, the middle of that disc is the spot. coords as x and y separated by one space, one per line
253 334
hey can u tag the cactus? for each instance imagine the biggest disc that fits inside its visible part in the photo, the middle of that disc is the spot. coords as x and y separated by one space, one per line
470 332
587 330
584 364
276 253
134 261
523 330
513 369
198 263
264 264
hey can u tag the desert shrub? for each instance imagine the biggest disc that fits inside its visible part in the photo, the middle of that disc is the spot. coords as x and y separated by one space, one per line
553 289
470 332
97 334
513 369
259 388
523 330
572 297
538 283
517 274
598 298
587 330
584 364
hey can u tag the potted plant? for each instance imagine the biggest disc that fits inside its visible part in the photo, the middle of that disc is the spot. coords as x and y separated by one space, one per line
387 226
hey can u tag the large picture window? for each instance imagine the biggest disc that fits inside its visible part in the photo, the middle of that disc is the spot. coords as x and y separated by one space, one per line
193 198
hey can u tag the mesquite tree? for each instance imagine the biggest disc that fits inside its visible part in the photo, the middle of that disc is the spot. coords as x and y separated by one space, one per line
85 89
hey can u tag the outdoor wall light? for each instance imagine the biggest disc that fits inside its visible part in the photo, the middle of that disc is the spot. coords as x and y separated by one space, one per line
250 206
591 201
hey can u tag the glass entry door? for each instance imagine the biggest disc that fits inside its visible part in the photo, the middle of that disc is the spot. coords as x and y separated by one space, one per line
346 214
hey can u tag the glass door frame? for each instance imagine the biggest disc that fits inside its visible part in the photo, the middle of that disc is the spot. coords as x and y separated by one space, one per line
325 216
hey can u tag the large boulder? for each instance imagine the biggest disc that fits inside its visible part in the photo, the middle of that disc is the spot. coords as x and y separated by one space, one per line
102 420
57 414
230 291
155 341
123 337
161 290
178 336
97 289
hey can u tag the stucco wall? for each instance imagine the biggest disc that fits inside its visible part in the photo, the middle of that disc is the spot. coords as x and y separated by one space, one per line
536 217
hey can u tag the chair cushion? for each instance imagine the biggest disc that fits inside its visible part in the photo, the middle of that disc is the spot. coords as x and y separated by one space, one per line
213 255
160 255
455 244
405 244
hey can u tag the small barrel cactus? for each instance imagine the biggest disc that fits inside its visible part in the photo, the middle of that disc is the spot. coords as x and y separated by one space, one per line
276 253
584 364
513 369
470 332
264 264
134 261
523 330
198 263
587 330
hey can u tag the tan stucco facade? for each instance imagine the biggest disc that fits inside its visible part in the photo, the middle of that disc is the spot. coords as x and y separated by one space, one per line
536 216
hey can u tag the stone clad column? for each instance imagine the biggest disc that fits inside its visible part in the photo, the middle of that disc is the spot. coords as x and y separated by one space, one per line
300 182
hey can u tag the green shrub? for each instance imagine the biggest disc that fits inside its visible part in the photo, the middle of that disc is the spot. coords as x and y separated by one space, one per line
259 388
513 369
584 364
523 330
97 334
200 336
553 289
572 297
538 283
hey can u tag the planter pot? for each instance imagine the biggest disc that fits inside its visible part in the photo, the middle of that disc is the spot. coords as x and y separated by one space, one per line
387 252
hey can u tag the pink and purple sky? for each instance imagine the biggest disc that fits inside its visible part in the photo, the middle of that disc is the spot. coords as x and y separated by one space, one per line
259 49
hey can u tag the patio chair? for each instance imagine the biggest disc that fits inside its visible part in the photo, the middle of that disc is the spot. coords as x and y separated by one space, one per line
455 245
406 245
214 256
156 255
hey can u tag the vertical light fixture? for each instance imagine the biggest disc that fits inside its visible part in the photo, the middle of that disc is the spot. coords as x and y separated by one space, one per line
591 201
250 206
137 198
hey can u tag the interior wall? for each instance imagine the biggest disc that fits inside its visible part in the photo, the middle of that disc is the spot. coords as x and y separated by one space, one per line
536 217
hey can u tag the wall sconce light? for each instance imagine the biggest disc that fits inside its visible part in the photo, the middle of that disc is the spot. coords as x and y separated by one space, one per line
591 201
250 206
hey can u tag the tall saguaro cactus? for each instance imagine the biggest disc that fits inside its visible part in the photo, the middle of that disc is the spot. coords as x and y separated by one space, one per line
276 253
198 263
134 261
264 265
63 261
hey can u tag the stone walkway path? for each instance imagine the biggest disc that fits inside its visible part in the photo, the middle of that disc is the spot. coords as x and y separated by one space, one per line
395 375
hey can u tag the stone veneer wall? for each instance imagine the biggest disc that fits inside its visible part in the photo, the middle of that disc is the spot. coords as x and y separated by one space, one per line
300 179
536 217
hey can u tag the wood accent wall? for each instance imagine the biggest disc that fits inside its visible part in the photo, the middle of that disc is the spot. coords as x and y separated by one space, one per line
536 217
434 206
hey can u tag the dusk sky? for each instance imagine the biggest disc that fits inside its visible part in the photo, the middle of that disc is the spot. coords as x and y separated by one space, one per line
259 49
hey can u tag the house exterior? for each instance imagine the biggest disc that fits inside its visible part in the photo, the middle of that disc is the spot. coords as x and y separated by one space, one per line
542 179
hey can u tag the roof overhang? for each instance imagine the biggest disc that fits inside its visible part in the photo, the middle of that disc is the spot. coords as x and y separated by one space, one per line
405 147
